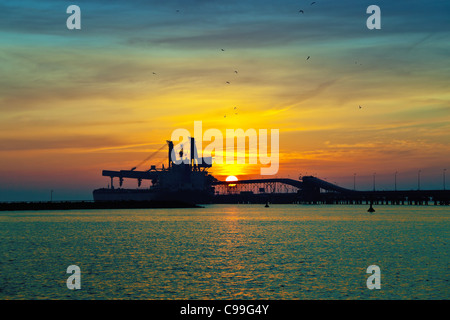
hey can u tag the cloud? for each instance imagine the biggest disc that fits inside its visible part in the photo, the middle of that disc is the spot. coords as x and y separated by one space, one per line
94 90
68 142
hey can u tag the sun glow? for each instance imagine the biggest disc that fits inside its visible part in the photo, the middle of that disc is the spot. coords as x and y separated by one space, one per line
231 179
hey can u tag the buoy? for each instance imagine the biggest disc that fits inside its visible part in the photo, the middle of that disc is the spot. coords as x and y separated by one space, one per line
371 209
267 204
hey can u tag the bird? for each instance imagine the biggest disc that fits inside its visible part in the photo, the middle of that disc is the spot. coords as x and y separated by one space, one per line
360 107
313 3
154 72
228 82
222 49
301 11
308 58
234 108
235 71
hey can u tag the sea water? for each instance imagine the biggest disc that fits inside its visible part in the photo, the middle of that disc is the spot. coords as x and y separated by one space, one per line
284 252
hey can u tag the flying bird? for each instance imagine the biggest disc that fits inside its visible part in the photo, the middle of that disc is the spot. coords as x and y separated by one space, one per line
301 11
308 58
235 72
360 107
228 82
313 3
234 108
222 49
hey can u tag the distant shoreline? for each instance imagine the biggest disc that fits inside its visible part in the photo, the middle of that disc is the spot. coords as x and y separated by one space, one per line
85 205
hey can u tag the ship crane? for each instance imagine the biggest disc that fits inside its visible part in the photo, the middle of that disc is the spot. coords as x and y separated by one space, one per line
185 180
148 158
139 180
194 164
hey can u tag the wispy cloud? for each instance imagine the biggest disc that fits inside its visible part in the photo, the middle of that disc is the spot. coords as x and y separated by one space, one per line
138 69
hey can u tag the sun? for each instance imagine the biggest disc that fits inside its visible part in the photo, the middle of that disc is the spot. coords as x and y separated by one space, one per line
231 178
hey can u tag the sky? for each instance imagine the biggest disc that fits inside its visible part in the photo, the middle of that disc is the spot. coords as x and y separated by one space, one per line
105 97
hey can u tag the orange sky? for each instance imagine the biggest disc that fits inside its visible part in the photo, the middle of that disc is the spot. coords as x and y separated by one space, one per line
73 104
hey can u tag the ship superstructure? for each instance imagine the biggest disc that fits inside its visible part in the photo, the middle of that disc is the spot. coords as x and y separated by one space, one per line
185 179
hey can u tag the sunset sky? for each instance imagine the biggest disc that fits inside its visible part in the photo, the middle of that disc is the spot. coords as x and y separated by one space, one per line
76 102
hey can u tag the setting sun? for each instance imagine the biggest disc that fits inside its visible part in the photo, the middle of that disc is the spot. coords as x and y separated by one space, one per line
231 178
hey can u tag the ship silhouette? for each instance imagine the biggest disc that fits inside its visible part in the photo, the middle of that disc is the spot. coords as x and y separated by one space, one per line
184 180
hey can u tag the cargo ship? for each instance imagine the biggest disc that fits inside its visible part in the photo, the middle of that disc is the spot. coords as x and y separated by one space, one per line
184 180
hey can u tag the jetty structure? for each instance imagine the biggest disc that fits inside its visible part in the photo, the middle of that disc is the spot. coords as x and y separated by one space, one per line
186 182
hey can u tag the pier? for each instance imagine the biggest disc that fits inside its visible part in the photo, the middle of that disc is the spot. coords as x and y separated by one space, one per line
308 190
312 190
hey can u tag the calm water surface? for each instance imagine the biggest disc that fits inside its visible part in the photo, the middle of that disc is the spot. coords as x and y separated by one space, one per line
227 252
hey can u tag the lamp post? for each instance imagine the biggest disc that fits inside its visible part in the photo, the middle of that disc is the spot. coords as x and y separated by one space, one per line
418 180
354 181
374 180
443 177
395 181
